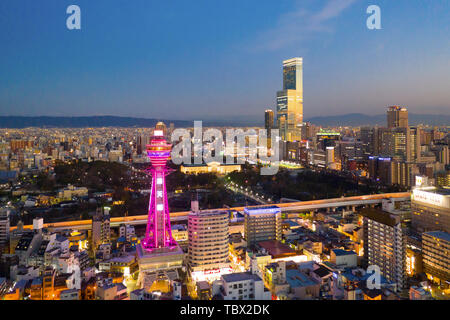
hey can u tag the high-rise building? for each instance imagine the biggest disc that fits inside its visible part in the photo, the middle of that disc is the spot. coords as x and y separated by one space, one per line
414 144
426 136
306 131
402 173
367 137
141 144
269 125
208 249
443 178
330 157
436 256
351 149
430 207
268 120
291 151
262 224
4 227
290 100
326 139
395 143
443 154
385 244
101 228
293 74
397 117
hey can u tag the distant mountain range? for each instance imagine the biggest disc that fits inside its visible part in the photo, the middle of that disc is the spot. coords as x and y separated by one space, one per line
83 122
358 119
351 119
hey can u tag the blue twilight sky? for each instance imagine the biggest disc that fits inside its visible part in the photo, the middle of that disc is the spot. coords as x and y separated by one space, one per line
216 59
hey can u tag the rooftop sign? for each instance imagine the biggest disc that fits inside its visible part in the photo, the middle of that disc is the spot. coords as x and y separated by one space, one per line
431 198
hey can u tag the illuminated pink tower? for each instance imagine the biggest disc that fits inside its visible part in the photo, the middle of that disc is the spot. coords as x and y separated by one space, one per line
158 233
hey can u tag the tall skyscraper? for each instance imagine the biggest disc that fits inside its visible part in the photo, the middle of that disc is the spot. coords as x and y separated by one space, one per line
293 74
367 136
290 100
268 125
414 141
268 120
397 117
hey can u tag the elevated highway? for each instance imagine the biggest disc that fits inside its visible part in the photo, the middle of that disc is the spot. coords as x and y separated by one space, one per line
365 200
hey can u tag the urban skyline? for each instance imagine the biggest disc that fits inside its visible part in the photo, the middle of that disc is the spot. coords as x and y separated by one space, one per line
287 209
375 242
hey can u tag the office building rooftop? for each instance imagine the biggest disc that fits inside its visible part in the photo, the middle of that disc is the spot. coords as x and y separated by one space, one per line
240 276
262 210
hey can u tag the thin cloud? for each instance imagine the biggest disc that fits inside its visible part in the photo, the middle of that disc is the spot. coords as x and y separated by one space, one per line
300 23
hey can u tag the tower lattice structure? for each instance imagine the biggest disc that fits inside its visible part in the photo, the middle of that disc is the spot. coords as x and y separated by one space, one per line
158 233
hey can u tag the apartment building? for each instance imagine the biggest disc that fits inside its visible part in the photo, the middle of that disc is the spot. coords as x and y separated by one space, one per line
208 249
